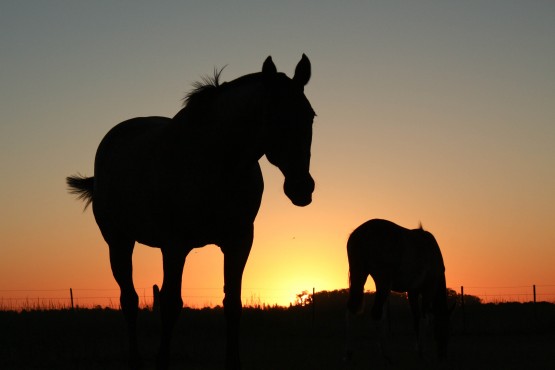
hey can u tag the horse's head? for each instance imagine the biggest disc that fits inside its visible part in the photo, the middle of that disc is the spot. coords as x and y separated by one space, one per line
289 129
437 297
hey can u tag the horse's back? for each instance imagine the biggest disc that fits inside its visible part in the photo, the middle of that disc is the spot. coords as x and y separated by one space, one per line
375 229
135 127
126 154
377 239
375 246
389 252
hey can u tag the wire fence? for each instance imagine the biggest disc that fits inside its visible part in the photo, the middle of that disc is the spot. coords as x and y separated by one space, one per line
27 299
520 293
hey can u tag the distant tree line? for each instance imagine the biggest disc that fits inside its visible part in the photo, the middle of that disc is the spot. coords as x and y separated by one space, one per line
337 299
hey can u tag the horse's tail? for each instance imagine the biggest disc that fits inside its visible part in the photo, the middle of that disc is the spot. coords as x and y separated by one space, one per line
82 187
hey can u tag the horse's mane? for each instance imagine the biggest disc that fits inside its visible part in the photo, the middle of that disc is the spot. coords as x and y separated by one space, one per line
197 102
204 89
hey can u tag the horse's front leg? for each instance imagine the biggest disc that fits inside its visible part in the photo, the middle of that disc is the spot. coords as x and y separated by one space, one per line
382 319
236 252
415 309
170 300
355 306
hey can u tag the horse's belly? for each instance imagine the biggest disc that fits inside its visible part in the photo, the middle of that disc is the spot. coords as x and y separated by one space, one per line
408 280
190 224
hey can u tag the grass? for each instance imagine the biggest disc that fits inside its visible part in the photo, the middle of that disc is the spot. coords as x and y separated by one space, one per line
496 336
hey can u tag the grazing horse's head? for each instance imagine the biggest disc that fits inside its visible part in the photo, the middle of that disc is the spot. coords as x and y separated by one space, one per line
437 297
289 129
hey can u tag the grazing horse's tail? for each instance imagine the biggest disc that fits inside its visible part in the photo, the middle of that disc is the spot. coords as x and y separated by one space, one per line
82 187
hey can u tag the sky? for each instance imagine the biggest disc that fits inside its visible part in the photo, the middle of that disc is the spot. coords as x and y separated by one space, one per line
439 112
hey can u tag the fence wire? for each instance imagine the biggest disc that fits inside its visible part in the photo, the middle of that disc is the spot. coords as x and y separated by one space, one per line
17 299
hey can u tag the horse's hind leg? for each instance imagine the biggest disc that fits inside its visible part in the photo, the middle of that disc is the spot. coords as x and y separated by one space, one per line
355 306
121 251
415 309
355 302
170 299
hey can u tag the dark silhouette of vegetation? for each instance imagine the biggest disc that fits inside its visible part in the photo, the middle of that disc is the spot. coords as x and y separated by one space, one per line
503 335
304 298
337 299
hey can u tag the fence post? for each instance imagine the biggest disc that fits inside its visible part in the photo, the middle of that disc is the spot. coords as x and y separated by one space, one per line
313 304
463 311
534 305
71 297
156 298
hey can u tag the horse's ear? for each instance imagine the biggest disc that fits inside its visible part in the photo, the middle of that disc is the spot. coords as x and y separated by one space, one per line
302 71
269 68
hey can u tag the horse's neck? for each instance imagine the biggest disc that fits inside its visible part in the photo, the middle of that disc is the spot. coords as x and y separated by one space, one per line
232 125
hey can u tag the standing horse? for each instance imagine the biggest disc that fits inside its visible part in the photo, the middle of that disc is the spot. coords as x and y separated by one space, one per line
182 183
399 260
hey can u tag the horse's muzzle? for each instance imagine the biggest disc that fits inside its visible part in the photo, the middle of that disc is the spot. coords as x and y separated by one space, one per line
299 190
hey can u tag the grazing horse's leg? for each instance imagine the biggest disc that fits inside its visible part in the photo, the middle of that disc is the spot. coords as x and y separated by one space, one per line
356 291
382 320
121 261
170 300
236 253
415 309
355 305
382 293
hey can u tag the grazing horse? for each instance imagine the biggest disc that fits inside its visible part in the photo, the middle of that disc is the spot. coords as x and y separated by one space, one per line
399 260
182 183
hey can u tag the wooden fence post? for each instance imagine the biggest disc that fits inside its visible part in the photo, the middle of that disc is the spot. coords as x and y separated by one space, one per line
313 304
463 311
156 298
534 306
71 297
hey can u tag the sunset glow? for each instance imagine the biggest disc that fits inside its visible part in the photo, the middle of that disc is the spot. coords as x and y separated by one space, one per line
440 113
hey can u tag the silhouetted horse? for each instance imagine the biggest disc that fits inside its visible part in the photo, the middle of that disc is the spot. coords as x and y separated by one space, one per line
182 183
399 260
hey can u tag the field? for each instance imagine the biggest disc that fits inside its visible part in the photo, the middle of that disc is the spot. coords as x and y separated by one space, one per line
492 336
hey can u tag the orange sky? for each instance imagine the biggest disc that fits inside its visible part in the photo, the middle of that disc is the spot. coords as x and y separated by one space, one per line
440 113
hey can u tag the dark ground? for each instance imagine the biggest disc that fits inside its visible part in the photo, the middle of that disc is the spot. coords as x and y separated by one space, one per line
504 336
